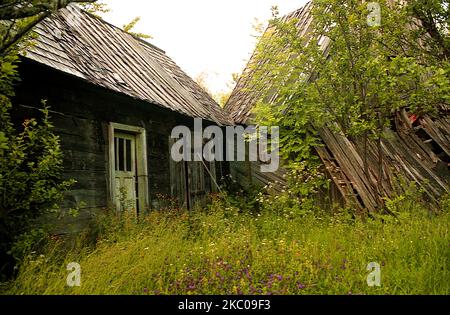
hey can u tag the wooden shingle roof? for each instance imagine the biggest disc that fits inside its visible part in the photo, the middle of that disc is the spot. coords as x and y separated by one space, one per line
80 44
244 96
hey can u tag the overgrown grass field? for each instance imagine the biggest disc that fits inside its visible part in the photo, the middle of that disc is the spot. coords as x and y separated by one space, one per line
223 251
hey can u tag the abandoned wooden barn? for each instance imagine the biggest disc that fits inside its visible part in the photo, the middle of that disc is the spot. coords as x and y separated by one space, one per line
114 100
417 148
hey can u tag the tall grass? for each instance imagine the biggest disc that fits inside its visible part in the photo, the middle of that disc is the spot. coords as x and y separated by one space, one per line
223 251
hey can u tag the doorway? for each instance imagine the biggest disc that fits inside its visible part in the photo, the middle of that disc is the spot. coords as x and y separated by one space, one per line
128 168
125 172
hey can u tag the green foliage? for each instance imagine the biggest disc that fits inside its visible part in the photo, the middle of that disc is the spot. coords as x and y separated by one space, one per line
130 26
407 194
226 251
28 243
30 176
18 17
99 7
95 8
354 87
3 141
297 196
445 203
245 200
222 98
432 19
30 155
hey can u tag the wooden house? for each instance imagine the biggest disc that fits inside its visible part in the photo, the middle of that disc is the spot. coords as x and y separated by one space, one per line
416 149
114 100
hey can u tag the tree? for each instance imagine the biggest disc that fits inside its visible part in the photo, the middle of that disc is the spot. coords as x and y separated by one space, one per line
222 97
18 17
368 72
95 8
433 18
98 8
201 80
130 26
30 156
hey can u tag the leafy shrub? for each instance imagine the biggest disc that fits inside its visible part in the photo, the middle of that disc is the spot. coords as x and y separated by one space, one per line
30 168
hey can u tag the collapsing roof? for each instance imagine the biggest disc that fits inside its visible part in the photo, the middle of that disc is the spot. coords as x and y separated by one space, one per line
244 97
80 44
417 149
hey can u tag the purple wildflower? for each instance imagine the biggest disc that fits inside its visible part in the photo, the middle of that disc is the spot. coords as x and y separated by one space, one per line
301 286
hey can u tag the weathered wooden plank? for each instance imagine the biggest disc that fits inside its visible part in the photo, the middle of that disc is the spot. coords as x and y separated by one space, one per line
352 168
439 131
86 198
340 180
82 161
434 186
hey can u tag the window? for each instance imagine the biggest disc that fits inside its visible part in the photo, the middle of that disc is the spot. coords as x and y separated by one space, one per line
122 154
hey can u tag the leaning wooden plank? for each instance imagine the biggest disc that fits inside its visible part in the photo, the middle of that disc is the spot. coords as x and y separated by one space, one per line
355 161
439 131
336 175
433 180
411 165
417 145
350 168
369 152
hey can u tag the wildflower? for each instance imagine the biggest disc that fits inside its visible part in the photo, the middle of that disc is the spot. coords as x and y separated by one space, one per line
301 286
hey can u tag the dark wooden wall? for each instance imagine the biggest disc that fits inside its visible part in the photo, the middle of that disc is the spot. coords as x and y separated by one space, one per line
81 113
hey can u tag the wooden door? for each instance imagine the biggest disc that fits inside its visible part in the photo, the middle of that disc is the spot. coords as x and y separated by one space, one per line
202 181
125 172
191 182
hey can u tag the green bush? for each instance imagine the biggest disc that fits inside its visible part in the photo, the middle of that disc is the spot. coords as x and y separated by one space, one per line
30 169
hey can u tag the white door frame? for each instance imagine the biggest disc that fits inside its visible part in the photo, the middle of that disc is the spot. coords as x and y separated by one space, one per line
141 162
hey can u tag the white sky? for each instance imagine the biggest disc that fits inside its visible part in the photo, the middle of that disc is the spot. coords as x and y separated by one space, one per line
210 36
